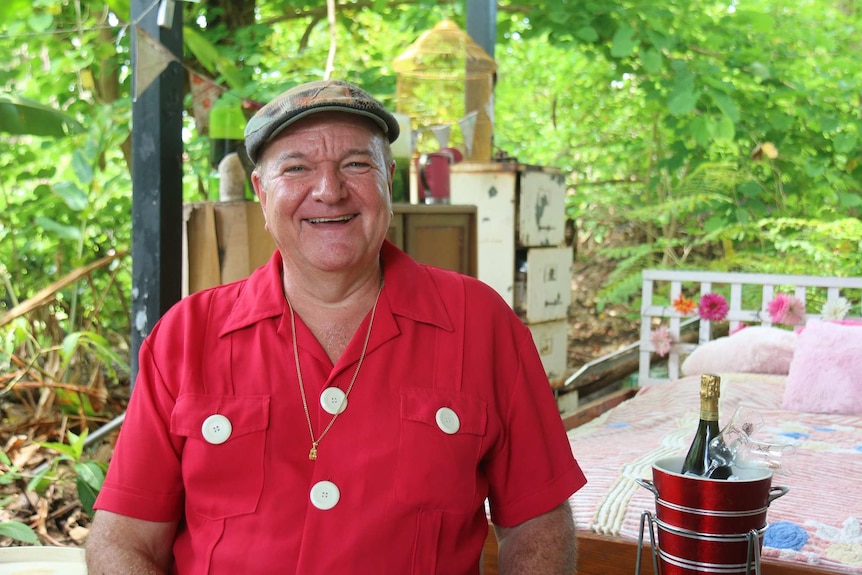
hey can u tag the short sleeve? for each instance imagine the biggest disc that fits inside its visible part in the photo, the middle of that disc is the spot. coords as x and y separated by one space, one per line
534 470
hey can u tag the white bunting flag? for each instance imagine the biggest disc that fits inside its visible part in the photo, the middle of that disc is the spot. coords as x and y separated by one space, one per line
468 130
151 59
441 133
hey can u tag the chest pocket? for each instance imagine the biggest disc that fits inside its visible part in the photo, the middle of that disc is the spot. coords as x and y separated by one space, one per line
443 430
225 438
439 449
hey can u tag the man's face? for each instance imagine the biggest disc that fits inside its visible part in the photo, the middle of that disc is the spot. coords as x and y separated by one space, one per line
324 185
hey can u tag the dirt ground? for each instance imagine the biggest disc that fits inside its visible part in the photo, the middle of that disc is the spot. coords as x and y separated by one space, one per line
57 515
593 334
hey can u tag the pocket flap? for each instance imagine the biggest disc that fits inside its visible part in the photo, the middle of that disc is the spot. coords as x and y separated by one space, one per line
247 414
422 404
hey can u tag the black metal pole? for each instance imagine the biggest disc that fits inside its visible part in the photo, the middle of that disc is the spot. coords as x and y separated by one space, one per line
156 177
482 23
482 29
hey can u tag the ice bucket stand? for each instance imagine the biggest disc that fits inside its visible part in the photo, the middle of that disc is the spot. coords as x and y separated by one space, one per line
647 518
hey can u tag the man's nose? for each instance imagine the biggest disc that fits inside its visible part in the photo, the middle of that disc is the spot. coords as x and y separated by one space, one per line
330 185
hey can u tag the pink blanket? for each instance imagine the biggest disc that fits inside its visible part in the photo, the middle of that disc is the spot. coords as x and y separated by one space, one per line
816 522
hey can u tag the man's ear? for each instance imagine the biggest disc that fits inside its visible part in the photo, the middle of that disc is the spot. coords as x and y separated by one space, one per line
260 192
257 186
392 167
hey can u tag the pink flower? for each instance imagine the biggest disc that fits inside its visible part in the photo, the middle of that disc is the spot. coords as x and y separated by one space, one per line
737 329
661 340
712 307
786 309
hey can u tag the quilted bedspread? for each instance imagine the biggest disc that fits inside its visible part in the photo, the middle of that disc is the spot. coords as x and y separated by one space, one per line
816 522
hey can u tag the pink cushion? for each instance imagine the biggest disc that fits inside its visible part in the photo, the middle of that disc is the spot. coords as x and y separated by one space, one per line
826 371
755 349
856 322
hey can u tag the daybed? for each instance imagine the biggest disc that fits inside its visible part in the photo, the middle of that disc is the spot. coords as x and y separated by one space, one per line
805 381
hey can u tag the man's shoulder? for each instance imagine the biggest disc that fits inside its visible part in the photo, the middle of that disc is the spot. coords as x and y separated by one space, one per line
200 309
479 299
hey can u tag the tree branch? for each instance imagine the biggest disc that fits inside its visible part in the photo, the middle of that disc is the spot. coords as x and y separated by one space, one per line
319 13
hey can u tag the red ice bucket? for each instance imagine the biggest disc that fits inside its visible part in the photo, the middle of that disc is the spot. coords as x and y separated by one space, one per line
710 525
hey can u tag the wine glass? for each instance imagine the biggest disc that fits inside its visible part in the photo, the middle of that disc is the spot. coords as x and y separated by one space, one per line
735 446
743 423
777 457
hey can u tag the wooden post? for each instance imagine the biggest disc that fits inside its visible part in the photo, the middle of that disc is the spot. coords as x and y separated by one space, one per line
156 177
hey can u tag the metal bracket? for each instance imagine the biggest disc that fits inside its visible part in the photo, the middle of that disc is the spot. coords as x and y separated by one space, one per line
165 18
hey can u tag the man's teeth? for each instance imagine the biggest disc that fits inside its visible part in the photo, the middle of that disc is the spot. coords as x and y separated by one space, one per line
329 220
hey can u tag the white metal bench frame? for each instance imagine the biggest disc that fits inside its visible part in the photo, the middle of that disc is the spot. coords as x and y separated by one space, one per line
708 281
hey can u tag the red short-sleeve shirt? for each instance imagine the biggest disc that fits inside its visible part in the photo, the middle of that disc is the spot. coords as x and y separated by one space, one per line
451 406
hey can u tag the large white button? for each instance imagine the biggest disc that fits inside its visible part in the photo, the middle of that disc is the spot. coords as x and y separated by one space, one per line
447 420
216 429
333 400
325 495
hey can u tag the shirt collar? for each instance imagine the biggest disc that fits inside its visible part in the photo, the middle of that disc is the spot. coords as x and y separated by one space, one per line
409 290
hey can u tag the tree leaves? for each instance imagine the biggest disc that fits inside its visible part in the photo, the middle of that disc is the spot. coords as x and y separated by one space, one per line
683 97
19 532
11 10
651 59
623 43
21 116
62 231
72 195
208 55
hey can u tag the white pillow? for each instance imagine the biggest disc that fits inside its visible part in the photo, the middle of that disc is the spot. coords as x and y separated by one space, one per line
753 349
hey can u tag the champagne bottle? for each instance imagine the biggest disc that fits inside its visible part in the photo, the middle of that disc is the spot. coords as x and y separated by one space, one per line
699 461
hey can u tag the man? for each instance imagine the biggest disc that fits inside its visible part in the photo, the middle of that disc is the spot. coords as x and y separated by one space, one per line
344 409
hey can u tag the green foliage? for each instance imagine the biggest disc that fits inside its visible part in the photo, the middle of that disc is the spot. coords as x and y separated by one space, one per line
24 117
19 532
88 475
96 344
659 115
13 529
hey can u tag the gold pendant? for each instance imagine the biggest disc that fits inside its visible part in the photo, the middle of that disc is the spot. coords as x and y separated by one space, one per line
312 455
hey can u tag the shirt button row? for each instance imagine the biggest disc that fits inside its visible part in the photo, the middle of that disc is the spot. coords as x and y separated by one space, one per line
217 428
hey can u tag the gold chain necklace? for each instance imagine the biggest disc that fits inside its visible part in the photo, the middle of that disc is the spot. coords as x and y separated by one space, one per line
312 455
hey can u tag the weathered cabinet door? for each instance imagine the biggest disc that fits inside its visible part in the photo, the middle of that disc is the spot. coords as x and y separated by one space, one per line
541 208
552 341
521 221
549 284
438 235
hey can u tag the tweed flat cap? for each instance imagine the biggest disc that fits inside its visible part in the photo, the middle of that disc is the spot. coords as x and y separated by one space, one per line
310 98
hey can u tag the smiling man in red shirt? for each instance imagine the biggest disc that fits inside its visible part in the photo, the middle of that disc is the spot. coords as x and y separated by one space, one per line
344 409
